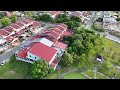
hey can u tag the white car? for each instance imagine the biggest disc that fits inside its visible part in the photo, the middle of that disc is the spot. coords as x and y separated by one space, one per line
3 63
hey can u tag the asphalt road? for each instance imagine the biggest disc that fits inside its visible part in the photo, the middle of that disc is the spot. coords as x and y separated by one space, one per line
6 55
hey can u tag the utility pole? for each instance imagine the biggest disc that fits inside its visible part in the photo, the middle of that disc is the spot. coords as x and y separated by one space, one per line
95 71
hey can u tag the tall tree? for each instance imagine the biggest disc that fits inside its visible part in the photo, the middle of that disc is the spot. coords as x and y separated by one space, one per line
13 18
5 21
40 69
66 59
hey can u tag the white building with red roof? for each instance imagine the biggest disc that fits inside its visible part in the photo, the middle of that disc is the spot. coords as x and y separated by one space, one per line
45 46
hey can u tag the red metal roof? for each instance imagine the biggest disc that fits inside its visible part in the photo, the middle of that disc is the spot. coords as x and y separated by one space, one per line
23 53
35 24
19 24
55 62
57 31
10 38
15 26
61 45
25 22
63 25
20 32
43 51
54 40
9 29
28 20
59 27
54 12
3 32
53 34
68 33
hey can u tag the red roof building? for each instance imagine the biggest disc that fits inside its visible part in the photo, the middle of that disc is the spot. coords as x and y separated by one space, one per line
8 29
54 40
43 51
36 24
15 26
61 45
23 53
3 32
25 22
10 38
19 24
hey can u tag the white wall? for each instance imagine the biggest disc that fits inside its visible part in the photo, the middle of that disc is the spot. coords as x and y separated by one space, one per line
32 56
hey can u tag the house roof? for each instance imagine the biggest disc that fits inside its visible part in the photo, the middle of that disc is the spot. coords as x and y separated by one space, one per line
57 31
10 38
20 32
15 26
3 32
61 45
68 33
54 12
8 29
51 38
19 24
54 62
59 27
25 22
52 33
43 51
35 24
23 53
28 20
63 25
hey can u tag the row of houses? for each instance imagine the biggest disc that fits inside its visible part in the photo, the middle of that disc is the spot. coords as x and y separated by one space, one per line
46 46
10 34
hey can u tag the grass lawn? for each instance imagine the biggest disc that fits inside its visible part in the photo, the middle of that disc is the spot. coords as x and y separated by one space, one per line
15 70
74 75
91 74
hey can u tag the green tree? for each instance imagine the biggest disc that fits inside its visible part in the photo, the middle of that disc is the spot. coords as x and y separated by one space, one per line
28 13
5 21
74 18
40 69
46 18
13 18
66 59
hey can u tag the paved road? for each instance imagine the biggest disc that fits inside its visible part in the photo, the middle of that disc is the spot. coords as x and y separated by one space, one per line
107 35
5 56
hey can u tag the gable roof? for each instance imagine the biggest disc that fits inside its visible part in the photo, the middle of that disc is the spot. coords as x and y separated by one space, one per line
43 51
8 29
3 32
61 45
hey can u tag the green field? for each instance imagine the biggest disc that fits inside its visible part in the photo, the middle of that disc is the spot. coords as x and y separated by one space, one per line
74 75
15 70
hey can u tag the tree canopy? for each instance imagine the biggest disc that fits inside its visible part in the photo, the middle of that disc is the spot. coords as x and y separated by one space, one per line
40 69
5 21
